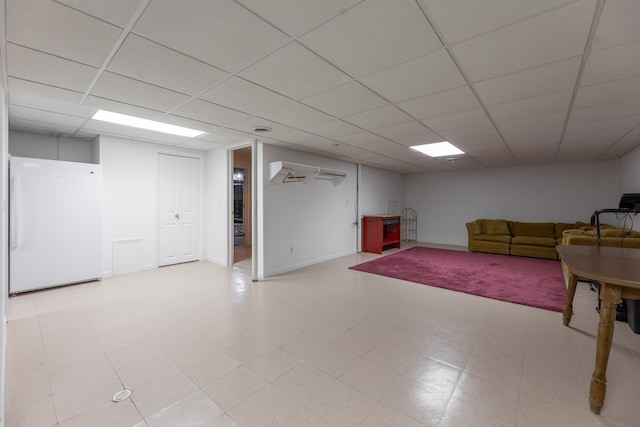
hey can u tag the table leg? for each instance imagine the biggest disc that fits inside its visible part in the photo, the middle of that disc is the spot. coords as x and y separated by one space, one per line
571 292
611 297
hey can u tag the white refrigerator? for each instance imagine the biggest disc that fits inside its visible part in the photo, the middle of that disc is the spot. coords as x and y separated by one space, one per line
55 223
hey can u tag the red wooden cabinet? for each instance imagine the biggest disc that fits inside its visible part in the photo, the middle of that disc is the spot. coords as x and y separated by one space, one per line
380 232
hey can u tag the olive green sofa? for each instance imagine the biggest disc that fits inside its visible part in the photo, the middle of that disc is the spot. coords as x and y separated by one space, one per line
530 239
609 236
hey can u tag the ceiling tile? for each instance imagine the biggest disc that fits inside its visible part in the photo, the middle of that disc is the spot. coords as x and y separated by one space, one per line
117 12
405 153
298 115
459 135
38 67
404 130
615 63
134 92
553 36
300 137
517 127
252 122
43 97
207 112
547 79
541 105
534 137
534 155
200 144
464 163
43 116
467 118
122 108
333 128
383 147
432 164
162 138
584 148
239 94
368 156
296 17
188 123
373 36
104 128
494 159
604 112
440 104
461 20
71 34
423 76
426 138
618 24
358 139
40 127
227 137
347 150
607 93
344 100
379 118
219 32
149 62
577 138
624 145
295 72
616 127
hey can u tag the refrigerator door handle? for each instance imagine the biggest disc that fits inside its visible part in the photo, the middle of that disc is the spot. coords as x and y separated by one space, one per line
14 241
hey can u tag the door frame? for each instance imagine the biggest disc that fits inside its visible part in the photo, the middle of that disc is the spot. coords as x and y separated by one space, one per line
253 197
201 192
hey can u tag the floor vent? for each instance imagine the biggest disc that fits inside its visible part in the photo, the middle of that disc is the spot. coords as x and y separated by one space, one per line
121 395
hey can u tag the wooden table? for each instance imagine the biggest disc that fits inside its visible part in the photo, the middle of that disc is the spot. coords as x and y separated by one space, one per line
618 272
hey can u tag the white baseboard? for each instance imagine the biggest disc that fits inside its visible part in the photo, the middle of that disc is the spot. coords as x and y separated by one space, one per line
293 267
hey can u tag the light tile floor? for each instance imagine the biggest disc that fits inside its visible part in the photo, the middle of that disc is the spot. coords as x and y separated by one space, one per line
201 345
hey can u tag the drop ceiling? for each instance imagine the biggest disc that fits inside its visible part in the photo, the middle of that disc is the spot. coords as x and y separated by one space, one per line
508 82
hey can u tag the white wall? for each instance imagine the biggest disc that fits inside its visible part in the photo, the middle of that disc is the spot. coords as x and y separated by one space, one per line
306 223
130 197
445 201
630 172
217 209
379 190
39 146
4 257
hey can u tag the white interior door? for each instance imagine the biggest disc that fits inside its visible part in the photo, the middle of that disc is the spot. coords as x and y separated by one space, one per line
178 201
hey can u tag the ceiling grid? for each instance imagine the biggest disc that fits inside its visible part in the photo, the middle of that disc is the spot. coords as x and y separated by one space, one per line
509 83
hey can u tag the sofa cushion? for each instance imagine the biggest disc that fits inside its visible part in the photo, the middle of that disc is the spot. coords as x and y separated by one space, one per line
619 232
564 226
533 241
535 229
476 227
496 226
494 238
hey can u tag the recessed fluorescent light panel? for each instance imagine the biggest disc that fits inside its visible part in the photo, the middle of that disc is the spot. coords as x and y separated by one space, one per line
438 149
137 122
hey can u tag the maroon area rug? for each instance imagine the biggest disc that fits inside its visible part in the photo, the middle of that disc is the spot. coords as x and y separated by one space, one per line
527 281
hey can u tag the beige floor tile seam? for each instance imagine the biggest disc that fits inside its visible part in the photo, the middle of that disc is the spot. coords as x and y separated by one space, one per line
180 368
466 371
83 308
49 374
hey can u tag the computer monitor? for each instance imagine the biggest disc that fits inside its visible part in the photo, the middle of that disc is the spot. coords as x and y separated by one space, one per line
630 201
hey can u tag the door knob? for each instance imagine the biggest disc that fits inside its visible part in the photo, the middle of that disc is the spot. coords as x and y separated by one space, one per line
177 216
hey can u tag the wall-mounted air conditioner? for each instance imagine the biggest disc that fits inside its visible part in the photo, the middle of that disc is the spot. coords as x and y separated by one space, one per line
287 172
